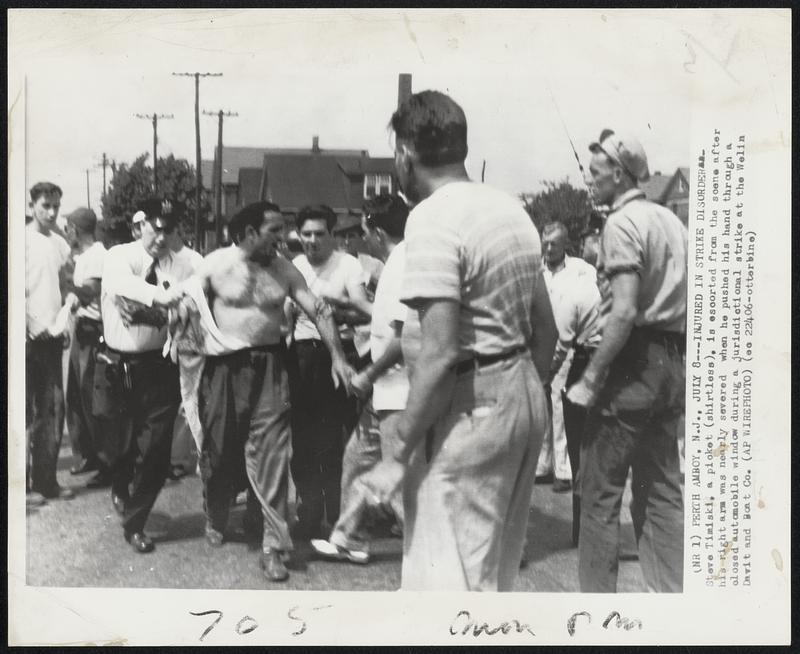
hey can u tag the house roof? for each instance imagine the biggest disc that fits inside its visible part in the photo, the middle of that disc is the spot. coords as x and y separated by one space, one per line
654 187
293 182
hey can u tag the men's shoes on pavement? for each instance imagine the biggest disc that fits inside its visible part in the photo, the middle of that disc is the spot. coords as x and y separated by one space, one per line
60 493
544 479
34 499
118 503
562 486
101 480
213 537
273 566
140 542
83 466
335 553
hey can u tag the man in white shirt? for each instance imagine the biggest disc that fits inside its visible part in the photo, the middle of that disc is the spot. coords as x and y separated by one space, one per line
572 285
320 412
140 280
84 430
385 379
47 266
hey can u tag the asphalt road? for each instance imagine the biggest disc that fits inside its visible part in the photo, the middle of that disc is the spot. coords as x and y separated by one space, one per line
79 543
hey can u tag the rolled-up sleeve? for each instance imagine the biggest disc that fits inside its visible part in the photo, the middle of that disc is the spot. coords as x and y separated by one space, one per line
119 278
622 245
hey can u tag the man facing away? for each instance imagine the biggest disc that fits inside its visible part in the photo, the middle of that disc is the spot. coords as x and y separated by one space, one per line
85 429
634 383
47 265
323 415
383 384
135 385
476 410
244 395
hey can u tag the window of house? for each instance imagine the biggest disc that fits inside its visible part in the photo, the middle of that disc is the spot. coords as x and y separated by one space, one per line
377 184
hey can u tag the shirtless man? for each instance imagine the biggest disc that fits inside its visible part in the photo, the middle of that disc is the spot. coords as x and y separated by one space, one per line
244 396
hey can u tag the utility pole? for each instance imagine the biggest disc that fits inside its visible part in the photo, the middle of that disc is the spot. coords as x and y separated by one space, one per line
218 172
197 76
105 163
88 201
154 119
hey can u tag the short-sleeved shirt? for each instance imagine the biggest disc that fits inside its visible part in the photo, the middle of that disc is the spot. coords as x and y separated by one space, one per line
372 269
89 265
45 255
390 390
332 278
648 239
477 246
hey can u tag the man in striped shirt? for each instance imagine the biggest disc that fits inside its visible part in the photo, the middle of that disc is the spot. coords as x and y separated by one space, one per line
476 409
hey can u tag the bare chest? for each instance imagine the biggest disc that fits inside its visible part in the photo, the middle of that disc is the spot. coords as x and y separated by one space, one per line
246 285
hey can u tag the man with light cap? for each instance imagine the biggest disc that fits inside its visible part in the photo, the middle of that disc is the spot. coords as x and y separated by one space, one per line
135 385
635 381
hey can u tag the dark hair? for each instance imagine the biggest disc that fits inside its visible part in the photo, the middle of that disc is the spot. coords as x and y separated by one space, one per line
114 231
250 216
44 188
389 212
435 125
317 212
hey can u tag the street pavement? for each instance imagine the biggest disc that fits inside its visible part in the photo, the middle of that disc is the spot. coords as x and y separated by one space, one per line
80 543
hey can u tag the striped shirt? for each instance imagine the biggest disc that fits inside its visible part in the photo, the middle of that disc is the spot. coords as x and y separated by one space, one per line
648 239
477 246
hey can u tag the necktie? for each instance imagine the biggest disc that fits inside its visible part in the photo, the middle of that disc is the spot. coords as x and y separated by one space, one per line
151 277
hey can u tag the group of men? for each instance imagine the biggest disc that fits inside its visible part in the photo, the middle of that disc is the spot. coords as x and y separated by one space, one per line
418 377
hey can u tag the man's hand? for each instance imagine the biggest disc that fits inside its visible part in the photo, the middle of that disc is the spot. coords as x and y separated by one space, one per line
361 385
582 393
383 481
341 373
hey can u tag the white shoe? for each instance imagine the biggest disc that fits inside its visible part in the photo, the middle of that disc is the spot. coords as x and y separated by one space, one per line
334 552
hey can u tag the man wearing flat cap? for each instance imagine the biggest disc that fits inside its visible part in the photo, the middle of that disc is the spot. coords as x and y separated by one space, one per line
635 381
140 280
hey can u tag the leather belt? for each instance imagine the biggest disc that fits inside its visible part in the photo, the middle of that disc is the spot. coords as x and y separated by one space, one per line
482 360
134 357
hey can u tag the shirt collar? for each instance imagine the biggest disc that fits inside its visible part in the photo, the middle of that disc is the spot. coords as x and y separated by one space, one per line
627 196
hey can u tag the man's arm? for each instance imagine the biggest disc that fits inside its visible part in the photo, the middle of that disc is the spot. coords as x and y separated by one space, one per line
392 355
87 293
355 309
617 329
545 333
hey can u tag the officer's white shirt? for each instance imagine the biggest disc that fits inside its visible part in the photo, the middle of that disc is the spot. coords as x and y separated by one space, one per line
124 270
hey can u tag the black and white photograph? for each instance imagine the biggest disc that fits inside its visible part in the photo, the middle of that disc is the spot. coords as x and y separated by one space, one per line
429 301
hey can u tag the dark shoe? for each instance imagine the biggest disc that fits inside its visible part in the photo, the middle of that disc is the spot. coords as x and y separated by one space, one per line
628 555
523 563
140 542
83 466
176 472
118 502
272 566
562 486
60 493
101 480
213 537
544 479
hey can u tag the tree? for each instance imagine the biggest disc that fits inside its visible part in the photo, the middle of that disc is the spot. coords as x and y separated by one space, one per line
559 202
133 183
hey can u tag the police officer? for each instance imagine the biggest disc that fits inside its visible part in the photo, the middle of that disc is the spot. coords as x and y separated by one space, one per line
140 280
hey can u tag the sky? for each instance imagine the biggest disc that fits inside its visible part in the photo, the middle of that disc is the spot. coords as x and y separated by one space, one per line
528 80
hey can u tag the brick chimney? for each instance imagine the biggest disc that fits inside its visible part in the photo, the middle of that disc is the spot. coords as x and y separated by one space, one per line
315 144
403 88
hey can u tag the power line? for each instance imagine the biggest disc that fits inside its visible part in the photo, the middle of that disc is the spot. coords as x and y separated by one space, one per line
218 172
197 76
154 119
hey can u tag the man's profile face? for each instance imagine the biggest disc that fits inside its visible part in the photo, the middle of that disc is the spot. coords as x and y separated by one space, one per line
275 224
405 172
155 239
318 242
45 211
605 177
554 245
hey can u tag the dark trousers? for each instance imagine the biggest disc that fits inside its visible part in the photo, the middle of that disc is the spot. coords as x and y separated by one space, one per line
574 421
143 404
321 414
85 429
44 412
633 426
245 414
